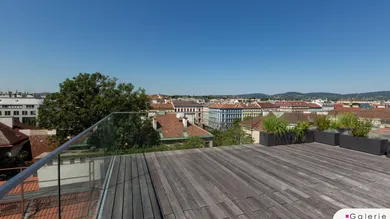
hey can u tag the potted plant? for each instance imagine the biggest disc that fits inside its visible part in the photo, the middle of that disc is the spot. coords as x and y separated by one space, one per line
346 122
301 133
325 132
359 139
275 132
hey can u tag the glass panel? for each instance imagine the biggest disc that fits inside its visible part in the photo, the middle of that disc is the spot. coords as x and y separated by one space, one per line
30 198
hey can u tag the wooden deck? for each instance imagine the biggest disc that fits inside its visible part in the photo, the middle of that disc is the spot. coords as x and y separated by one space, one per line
248 181
130 192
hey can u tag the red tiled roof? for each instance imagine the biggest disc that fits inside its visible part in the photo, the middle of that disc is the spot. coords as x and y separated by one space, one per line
172 127
73 205
161 106
314 105
367 114
10 137
250 106
267 105
40 144
292 103
226 106
29 185
338 105
255 123
196 131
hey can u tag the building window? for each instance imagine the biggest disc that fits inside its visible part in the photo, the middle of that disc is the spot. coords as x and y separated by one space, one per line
1 113
16 113
7 113
30 106
33 113
24 113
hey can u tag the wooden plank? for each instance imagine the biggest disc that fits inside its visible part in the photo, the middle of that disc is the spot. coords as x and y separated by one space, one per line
161 194
152 194
213 206
137 200
247 211
193 214
118 201
128 195
239 186
194 200
146 203
178 212
207 213
249 185
214 190
168 171
110 193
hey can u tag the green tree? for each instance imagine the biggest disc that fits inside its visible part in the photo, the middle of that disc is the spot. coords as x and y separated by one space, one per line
234 135
84 100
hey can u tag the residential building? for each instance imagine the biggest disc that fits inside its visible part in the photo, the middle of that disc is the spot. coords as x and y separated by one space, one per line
313 107
161 108
37 140
268 106
205 115
11 141
221 116
251 110
292 106
190 109
172 128
23 109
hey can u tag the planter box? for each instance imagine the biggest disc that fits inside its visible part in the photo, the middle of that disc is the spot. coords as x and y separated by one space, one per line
329 138
368 145
270 139
309 137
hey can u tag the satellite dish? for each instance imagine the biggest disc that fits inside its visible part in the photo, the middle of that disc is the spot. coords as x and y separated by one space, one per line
178 115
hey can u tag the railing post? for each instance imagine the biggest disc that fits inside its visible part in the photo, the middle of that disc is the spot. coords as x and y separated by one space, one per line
59 185
22 195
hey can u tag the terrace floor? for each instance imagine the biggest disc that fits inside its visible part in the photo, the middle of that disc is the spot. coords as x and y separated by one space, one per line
247 181
253 181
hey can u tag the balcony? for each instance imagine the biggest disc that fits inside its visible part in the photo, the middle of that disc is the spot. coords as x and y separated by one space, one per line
244 181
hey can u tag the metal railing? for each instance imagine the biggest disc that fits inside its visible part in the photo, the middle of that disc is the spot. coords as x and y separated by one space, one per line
75 172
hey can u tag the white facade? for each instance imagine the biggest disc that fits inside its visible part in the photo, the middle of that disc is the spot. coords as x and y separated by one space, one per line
73 170
222 118
20 108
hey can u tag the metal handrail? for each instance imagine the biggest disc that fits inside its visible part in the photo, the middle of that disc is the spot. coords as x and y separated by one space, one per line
19 178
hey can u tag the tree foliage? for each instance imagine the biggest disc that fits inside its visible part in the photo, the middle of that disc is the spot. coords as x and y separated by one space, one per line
86 99
232 136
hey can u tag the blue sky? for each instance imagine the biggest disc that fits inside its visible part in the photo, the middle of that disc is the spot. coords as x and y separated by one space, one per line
198 47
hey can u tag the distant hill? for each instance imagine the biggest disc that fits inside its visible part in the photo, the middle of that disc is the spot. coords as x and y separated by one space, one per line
378 95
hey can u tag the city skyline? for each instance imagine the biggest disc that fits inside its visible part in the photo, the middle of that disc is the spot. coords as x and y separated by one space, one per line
199 48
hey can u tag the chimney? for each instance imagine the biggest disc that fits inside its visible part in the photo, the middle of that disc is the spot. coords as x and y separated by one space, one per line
154 123
185 122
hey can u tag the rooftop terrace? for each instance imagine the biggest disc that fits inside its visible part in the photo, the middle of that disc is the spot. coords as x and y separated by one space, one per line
309 180
248 181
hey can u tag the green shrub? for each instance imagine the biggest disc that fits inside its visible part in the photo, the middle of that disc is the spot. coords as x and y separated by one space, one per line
275 125
194 142
300 130
347 120
322 123
334 125
361 128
